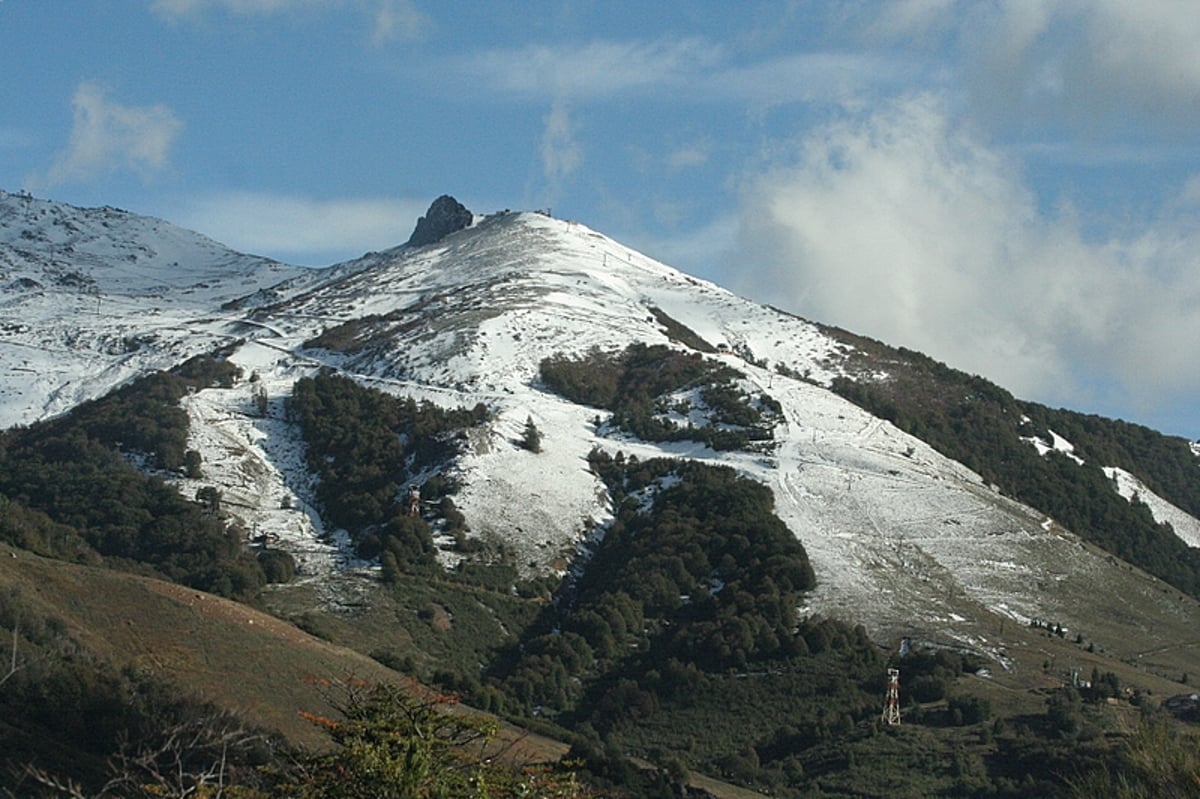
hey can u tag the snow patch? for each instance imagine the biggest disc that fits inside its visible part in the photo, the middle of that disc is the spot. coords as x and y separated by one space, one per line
1056 444
1186 526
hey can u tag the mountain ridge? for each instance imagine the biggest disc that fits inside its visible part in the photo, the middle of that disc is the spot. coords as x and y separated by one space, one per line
469 319
462 398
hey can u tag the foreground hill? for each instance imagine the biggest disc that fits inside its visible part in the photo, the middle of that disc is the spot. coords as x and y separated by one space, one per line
269 674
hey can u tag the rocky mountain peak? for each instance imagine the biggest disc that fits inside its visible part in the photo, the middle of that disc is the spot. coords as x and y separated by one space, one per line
445 216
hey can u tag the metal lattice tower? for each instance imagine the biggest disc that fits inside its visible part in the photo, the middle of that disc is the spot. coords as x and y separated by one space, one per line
891 705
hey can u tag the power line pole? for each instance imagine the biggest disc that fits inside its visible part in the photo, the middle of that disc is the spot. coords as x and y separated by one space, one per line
891 705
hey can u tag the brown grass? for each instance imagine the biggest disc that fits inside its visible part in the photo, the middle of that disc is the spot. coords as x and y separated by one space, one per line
239 658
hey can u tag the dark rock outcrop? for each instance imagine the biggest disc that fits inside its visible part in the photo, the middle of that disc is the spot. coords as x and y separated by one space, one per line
444 217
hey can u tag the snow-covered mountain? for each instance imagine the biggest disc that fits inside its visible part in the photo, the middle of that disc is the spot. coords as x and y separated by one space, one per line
92 297
901 538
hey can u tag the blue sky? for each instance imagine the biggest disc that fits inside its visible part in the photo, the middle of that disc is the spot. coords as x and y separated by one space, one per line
1010 187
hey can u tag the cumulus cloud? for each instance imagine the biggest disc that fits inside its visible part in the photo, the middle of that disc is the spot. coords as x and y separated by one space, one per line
905 226
107 136
301 230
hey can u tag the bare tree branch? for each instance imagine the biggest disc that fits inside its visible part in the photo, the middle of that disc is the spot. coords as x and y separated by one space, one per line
64 787
13 665
189 757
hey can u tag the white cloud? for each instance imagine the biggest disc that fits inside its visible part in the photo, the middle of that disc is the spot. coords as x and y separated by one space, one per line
107 136
390 19
906 227
1147 51
301 230
1087 61
559 149
805 77
178 9
911 18
691 155
595 69
398 19
695 69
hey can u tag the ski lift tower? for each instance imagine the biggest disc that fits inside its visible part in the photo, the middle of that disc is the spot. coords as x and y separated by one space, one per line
891 705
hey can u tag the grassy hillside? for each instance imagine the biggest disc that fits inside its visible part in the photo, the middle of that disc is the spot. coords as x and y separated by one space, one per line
246 660
266 673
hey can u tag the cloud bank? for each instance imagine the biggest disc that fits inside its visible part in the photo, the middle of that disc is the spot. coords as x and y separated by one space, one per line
904 225
1095 66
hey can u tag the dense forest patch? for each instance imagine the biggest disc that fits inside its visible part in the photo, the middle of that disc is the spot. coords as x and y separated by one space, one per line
701 551
652 392
368 448
68 488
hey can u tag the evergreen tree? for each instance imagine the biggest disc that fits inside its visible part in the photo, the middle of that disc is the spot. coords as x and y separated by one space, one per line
532 439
